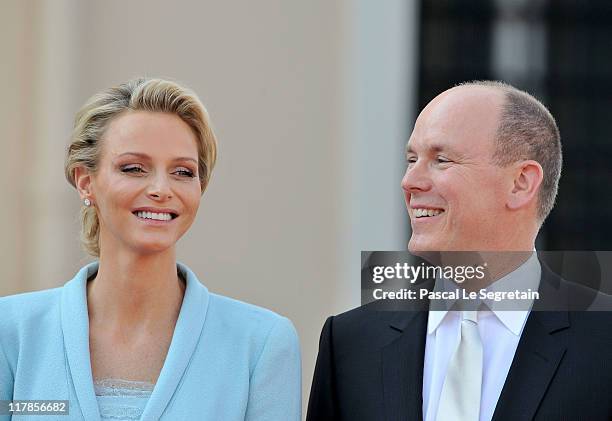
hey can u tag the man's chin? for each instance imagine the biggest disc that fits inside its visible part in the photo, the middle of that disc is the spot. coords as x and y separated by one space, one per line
419 247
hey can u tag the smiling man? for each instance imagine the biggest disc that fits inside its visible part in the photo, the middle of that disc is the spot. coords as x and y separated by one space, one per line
480 184
484 162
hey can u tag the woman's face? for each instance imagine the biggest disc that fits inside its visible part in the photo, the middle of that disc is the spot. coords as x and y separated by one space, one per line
147 189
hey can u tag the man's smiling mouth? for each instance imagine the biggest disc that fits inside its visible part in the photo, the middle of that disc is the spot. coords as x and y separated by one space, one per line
426 213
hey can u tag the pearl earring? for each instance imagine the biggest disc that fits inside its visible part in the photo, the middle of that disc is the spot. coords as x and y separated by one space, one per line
87 202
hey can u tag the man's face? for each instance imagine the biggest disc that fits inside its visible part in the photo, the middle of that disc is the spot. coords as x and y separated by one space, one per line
454 194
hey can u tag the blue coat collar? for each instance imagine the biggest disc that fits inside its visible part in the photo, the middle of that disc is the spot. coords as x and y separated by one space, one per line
75 329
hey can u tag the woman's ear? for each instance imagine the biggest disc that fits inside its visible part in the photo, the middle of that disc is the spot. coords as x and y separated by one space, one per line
527 180
82 181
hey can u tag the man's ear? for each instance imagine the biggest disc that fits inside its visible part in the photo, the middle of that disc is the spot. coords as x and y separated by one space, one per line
82 181
527 179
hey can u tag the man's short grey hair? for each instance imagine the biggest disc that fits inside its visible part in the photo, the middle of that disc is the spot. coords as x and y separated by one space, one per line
527 130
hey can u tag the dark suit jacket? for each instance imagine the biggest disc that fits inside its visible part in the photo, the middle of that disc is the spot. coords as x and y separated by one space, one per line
370 365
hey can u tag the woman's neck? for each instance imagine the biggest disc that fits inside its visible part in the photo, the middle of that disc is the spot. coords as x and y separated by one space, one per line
135 292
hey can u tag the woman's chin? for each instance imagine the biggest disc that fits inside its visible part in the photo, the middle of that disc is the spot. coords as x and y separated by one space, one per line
152 247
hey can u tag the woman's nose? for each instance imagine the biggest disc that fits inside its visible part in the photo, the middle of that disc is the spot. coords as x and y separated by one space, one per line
160 189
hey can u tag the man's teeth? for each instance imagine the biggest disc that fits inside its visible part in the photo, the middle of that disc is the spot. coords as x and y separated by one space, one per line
419 213
153 215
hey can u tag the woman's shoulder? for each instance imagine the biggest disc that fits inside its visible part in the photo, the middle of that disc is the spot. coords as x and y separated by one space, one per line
27 317
28 305
36 304
238 318
242 309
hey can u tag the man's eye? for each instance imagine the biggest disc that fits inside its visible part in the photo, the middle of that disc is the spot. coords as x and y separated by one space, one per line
411 160
443 160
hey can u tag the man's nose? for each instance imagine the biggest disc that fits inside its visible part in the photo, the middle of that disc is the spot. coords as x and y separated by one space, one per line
416 178
159 189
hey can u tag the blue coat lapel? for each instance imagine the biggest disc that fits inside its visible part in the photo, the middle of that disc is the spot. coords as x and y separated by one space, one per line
184 341
75 328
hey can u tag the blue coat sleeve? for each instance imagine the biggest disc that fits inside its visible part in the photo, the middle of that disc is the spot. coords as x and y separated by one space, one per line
275 387
6 381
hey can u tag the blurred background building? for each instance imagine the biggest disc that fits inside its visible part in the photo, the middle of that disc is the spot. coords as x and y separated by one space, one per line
560 51
312 103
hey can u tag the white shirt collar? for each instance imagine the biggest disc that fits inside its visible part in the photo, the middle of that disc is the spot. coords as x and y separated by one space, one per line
527 275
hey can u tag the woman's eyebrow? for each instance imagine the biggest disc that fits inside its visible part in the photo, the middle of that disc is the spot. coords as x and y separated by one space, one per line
145 156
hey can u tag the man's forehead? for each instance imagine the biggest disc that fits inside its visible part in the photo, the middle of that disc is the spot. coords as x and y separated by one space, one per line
431 145
457 116
464 106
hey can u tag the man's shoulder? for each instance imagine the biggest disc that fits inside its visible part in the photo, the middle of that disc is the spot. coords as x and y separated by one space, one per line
367 327
559 293
362 315
587 299
587 311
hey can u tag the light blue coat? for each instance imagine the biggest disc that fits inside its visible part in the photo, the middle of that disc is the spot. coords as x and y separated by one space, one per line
227 361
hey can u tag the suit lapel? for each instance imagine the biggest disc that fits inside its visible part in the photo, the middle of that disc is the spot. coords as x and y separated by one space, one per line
402 367
539 352
185 339
75 329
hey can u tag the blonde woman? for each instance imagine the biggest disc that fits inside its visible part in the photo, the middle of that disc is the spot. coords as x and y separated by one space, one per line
135 335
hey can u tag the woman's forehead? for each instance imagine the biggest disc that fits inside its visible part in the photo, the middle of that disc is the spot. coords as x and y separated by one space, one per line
152 134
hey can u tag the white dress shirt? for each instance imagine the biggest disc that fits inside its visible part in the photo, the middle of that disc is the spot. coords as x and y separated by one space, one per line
500 331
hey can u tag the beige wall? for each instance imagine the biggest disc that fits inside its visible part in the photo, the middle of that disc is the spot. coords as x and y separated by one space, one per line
278 226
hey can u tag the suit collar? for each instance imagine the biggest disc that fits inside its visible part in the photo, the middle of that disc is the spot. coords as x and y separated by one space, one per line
540 350
75 328
402 367
525 277
184 342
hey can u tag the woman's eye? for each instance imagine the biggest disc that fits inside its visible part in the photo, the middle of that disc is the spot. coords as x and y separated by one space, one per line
132 169
185 173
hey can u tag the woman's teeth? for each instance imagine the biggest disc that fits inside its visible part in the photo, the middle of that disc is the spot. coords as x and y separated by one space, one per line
153 215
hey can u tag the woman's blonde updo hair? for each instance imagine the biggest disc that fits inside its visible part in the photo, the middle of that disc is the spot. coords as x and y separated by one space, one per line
141 94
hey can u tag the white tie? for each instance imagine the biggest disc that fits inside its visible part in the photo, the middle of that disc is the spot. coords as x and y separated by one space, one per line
460 397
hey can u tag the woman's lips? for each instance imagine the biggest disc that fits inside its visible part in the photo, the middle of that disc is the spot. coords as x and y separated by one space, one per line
155 222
